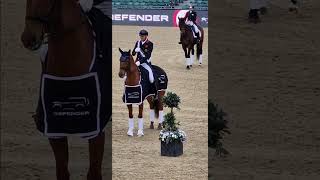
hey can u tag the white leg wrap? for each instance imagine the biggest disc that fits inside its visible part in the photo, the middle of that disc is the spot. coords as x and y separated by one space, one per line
152 115
131 123
187 61
140 123
191 59
161 116
200 59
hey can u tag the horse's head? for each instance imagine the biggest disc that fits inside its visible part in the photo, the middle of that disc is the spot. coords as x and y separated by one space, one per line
37 17
47 16
182 24
126 63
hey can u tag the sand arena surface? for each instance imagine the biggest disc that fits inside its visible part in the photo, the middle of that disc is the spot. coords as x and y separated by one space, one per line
266 77
139 158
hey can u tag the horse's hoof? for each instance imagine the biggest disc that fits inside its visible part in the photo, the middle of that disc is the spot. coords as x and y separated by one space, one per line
130 132
188 67
159 126
151 125
140 133
200 64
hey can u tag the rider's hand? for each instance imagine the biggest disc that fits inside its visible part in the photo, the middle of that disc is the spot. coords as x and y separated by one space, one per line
137 50
138 63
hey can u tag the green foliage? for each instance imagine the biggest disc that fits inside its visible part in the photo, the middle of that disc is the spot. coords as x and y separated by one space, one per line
170 123
171 100
217 128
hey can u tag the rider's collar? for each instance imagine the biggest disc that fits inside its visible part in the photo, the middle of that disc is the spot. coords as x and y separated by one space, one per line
142 42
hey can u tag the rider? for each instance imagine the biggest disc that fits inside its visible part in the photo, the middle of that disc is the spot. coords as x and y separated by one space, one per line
143 49
191 18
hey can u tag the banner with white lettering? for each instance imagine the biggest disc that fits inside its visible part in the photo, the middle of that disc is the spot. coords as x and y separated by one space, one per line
168 18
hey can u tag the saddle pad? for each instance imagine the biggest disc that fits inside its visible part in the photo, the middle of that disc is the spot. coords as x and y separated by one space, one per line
71 109
132 94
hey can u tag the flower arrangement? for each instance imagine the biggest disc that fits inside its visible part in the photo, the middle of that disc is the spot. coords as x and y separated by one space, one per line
171 132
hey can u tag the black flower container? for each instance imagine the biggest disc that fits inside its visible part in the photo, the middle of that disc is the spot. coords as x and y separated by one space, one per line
172 149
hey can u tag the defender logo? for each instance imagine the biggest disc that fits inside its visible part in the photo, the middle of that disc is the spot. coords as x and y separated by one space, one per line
162 79
73 103
133 95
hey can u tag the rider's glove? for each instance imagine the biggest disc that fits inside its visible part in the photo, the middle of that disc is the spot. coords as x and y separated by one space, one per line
137 50
138 63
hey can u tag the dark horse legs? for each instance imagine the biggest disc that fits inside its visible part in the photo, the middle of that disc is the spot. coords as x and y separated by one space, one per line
96 150
61 154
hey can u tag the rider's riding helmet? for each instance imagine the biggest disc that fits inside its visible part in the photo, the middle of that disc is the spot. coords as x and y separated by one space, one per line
191 7
143 33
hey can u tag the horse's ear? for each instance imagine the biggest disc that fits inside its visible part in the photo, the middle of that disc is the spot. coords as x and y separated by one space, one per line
129 51
120 51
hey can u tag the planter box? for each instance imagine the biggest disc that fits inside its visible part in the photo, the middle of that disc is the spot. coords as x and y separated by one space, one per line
172 149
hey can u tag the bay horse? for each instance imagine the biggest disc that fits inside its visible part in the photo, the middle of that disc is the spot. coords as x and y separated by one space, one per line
135 78
188 41
71 52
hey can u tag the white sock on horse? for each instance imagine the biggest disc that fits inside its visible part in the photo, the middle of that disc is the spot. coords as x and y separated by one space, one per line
152 115
200 59
131 123
188 61
140 123
161 117
191 59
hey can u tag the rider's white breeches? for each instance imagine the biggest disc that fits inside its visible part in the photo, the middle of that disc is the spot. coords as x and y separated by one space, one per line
190 23
147 67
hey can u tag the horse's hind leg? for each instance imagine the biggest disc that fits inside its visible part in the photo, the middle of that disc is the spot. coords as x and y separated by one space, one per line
160 108
96 150
61 154
130 121
152 112
140 121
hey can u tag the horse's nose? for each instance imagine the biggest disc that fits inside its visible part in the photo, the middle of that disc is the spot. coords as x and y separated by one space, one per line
121 74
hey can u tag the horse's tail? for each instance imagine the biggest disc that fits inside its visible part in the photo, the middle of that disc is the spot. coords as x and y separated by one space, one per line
156 107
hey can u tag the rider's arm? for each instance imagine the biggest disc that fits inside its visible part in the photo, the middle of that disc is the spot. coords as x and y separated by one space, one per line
134 52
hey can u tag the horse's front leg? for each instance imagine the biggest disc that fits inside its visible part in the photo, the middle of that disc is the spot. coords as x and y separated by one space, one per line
96 150
130 121
61 154
188 58
192 56
152 112
140 120
186 55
